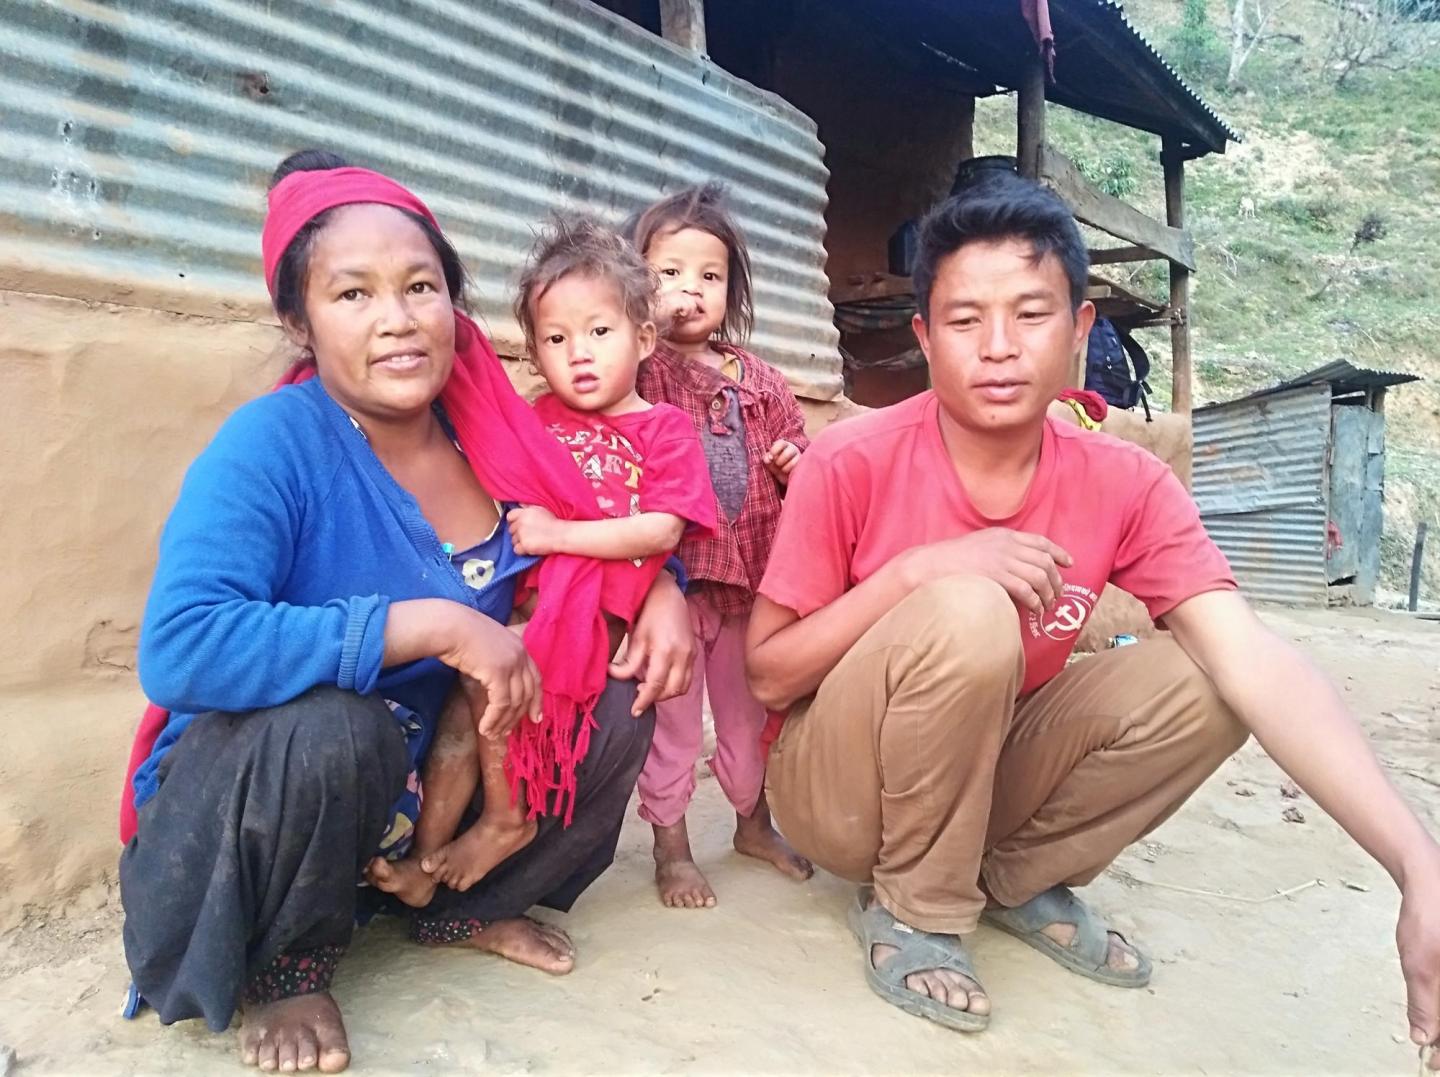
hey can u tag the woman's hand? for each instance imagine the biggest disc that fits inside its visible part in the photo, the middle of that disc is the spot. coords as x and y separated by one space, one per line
660 649
487 652
495 660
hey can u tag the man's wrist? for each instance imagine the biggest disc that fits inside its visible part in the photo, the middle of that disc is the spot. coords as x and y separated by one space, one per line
1419 865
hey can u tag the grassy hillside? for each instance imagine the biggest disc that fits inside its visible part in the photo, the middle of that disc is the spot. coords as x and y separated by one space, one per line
1283 291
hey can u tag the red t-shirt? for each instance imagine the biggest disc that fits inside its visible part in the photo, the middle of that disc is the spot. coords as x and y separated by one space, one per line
874 486
646 461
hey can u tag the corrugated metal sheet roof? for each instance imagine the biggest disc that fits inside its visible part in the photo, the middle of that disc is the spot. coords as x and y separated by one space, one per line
1104 66
1259 481
137 138
1116 10
1344 377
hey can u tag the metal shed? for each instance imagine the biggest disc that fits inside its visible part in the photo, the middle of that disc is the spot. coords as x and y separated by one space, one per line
1290 482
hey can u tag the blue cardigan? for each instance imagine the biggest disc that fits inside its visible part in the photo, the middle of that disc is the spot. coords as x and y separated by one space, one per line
277 568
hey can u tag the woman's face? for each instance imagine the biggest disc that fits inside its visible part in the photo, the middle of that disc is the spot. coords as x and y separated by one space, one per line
381 325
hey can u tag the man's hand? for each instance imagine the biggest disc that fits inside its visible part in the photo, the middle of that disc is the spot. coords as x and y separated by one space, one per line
1303 723
1418 938
660 649
534 531
781 459
1025 564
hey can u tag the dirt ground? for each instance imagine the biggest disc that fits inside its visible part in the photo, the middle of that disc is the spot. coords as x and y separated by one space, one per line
769 982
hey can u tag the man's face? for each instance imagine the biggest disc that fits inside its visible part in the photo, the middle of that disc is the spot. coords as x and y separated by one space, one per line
1001 338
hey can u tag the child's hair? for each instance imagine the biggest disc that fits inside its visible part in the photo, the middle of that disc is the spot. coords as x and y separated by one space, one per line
569 244
706 208
1000 207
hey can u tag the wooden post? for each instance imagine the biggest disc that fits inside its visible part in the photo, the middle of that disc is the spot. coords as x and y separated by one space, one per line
1030 117
967 128
683 22
1415 565
1173 161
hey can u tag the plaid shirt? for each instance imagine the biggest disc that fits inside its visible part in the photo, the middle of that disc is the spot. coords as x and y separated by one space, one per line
729 566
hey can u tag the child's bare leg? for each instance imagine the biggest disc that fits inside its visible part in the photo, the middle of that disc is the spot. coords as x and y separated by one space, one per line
502 828
452 772
680 882
755 835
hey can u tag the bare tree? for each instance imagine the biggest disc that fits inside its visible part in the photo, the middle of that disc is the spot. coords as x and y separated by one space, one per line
1392 35
1249 26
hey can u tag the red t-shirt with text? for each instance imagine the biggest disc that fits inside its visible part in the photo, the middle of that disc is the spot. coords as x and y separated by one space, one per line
874 486
645 461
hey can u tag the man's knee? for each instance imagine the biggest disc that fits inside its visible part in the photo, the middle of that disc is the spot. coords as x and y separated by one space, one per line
1213 723
968 623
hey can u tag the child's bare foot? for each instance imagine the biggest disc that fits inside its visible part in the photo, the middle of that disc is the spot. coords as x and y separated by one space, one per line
680 882
756 836
466 860
300 1033
526 942
406 879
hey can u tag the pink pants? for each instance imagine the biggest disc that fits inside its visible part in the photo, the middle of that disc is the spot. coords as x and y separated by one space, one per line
668 780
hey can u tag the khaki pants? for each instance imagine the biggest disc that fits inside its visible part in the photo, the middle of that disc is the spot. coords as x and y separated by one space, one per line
915 766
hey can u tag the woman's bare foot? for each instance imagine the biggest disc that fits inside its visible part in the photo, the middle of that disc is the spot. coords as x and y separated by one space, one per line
471 856
680 882
756 836
406 879
526 942
295 1034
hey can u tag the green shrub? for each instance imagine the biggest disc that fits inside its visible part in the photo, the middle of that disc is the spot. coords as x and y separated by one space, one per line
1196 49
1114 174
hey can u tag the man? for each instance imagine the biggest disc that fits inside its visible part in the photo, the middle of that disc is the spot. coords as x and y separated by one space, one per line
935 563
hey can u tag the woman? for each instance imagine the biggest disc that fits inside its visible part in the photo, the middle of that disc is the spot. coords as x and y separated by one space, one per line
310 614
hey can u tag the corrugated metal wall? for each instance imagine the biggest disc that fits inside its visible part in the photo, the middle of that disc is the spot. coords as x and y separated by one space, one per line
1259 479
137 136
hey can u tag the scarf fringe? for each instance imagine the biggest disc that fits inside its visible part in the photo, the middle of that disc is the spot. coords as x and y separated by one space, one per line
543 756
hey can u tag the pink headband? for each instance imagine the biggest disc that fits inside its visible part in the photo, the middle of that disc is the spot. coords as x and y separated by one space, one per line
302 196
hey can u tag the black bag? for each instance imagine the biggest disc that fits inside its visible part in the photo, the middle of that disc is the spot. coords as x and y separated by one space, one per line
1116 367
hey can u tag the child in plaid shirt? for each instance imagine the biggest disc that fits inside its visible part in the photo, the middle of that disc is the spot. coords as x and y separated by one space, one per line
753 433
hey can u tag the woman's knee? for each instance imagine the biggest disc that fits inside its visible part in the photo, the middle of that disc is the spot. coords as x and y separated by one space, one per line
620 740
340 731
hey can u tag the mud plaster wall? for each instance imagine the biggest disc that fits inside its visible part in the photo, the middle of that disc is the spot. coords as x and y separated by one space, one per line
102 408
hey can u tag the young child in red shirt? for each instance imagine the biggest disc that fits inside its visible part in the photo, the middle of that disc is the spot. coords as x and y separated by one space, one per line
753 434
586 304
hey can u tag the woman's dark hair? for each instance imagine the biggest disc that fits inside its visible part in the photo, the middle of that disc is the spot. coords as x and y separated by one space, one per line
706 208
569 245
294 266
1000 206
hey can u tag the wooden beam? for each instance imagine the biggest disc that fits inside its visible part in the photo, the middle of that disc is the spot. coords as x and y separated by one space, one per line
1172 157
1109 214
871 286
683 22
1112 255
1030 117
1121 294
